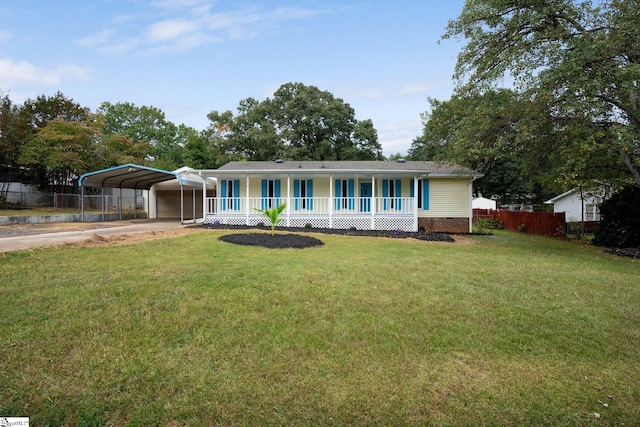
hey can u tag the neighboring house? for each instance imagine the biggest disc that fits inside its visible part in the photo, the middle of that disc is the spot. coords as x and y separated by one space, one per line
383 195
576 207
483 203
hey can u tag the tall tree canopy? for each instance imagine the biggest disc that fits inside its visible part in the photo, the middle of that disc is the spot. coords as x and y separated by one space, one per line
299 123
580 60
147 126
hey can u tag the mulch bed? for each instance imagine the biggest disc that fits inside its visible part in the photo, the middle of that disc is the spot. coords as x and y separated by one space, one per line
627 252
277 241
289 240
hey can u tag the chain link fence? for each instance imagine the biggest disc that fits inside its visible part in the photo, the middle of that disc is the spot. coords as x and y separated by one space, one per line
69 203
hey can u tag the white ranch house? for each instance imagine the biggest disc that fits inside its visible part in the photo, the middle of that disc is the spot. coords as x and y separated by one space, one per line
382 195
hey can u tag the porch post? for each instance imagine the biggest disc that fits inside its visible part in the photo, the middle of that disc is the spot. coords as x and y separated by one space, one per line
246 198
415 203
331 201
288 200
373 202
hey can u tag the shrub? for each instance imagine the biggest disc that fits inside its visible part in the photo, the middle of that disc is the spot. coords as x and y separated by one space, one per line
308 225
492 224
619 225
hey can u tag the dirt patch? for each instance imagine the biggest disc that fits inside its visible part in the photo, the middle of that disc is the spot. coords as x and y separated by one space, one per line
126 239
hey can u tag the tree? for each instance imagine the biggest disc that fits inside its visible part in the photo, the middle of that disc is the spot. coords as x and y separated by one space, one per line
300 123
579 59
147 126
34 116
489 132
620 220
64 150
273 215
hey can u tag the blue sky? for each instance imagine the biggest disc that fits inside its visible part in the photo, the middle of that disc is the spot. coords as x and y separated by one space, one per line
189 57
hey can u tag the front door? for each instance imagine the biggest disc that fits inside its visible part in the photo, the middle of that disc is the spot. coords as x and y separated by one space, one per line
365 197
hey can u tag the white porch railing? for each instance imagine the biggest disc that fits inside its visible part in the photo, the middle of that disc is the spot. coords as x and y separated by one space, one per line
387 213
312 205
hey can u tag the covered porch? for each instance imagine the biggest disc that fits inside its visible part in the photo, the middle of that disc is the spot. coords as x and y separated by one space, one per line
335 201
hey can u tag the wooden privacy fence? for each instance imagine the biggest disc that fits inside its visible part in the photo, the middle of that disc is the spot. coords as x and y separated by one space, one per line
540 223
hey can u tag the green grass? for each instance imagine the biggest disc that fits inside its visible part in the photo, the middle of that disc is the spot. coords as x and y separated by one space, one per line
512 330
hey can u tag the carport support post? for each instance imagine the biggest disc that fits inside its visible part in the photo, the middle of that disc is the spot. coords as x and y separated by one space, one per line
135 203
120 204
102 202
82 203
204 198
181 204
193 202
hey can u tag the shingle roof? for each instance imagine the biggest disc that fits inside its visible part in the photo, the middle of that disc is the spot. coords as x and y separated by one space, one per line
429 167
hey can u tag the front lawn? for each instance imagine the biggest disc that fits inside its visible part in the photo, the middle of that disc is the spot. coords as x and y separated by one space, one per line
509 330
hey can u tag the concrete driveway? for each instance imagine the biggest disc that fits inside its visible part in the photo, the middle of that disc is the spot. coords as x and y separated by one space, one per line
13 238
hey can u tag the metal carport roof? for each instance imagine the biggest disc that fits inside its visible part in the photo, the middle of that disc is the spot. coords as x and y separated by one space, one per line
130 176
136 177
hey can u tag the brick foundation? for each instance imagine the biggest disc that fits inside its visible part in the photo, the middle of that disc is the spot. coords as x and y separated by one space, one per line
444 225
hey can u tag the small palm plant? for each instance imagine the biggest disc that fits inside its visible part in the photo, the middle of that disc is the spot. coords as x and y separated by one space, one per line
274 216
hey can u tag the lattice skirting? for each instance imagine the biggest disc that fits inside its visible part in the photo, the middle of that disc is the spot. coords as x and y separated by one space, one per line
340 222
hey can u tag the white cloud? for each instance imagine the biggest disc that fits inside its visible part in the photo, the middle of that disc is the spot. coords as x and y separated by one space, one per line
396 137
192 24
17 74
96 40
171 30
4 36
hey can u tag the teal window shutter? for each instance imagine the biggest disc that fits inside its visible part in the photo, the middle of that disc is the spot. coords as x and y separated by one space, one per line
385 193
310 194
411 184
265 193
399 193
276 191
223 195
338 184
296 194
425 194
236 194
351 190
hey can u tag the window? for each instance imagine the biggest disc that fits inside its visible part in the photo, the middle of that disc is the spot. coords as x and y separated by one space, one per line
303 194
423 193
344 191
230 194
392 193
270 193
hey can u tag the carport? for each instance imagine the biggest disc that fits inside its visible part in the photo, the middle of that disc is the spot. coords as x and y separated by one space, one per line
137 177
